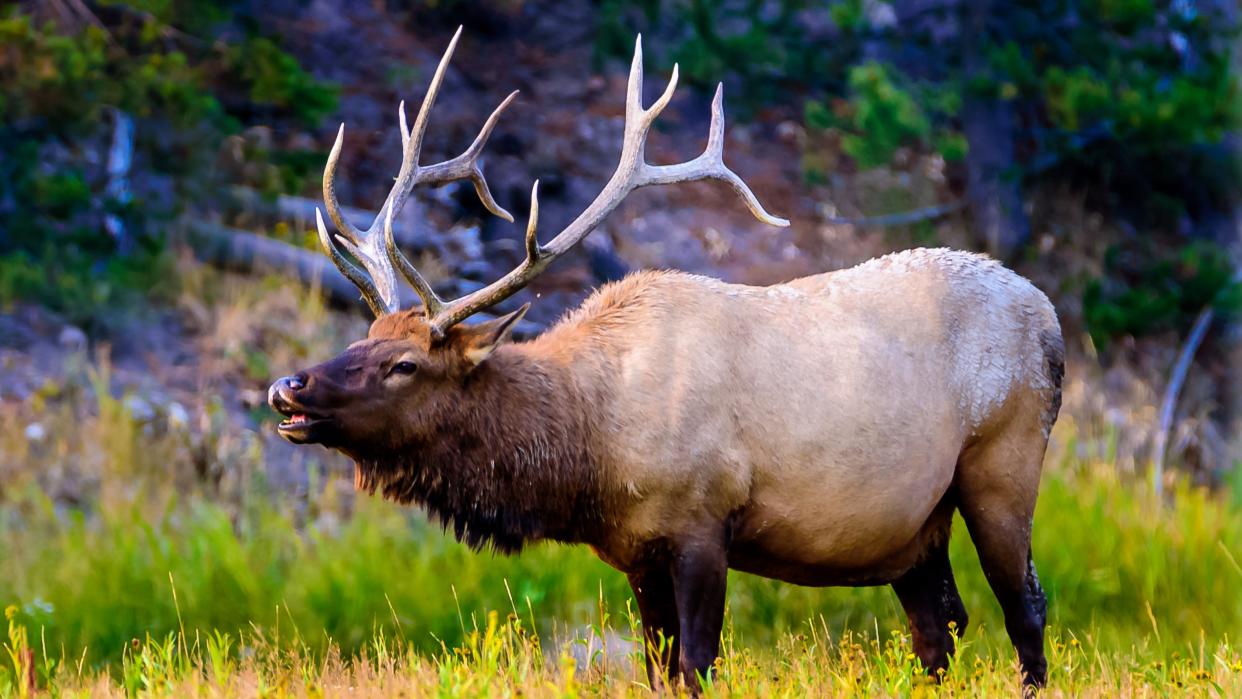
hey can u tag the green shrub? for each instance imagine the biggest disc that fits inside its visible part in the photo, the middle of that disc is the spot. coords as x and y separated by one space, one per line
883 117
1144 291
87 290
764 46
1125 98
58 92
274 78
54 78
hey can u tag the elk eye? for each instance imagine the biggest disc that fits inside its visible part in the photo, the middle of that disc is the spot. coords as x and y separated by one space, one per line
405 368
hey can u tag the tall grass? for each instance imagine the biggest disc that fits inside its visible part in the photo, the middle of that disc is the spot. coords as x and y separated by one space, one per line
1114 568
505 658
148 555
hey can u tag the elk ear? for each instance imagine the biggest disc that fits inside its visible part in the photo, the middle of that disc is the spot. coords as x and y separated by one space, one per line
477 342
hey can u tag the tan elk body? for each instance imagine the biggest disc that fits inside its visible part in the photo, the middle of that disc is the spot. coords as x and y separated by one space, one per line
821 431
827 414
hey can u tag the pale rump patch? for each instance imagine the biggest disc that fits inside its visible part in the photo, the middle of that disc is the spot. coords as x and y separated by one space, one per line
994 351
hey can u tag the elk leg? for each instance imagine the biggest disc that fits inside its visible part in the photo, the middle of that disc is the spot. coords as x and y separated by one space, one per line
929 596
997 500
700 572
1024 606
653 590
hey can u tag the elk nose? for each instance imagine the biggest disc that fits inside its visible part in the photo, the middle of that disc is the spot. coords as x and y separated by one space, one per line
280 394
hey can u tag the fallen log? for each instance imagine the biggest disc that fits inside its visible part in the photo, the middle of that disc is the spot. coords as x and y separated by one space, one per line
300 210
243 251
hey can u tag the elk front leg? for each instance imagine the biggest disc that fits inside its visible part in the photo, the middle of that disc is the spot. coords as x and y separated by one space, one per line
700 570
653 590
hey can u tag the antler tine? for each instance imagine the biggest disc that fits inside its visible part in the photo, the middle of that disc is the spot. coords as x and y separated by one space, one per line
405 132
632 172
412 142
710 165
634 84
638 120
466 165
329 189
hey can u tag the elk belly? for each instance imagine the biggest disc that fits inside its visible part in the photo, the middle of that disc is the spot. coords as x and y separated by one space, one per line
842 526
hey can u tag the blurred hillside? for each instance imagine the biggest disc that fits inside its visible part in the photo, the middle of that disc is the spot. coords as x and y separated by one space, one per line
160 161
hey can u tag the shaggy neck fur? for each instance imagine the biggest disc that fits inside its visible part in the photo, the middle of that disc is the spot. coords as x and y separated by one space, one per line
507 463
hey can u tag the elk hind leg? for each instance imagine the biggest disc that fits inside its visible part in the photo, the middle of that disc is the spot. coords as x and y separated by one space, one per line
929 596
998 480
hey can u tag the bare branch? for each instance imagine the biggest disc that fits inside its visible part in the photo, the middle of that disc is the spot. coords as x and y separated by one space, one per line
904 218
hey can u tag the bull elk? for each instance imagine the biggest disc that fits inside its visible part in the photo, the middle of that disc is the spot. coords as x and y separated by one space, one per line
820 432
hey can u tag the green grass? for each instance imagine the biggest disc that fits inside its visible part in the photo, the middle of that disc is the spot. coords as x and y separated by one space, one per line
152 564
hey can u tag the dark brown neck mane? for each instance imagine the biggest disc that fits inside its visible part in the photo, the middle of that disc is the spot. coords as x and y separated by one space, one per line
507 463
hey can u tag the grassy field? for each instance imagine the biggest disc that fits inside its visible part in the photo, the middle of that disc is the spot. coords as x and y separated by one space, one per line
151 581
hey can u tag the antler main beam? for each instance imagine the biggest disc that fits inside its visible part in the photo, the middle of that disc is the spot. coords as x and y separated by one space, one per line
633 172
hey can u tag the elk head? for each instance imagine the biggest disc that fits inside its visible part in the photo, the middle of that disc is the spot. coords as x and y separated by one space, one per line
395 386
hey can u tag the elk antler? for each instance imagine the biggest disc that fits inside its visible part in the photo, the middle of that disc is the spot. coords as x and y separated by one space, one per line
633 171
373 248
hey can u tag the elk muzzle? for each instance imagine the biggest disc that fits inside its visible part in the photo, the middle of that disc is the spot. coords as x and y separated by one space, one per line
299 425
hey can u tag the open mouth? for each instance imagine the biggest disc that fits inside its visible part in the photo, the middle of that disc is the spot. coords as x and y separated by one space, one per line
296 419
297 425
